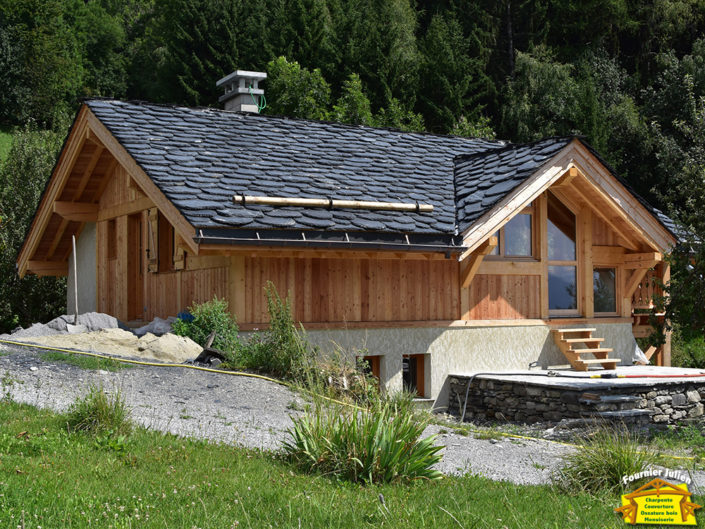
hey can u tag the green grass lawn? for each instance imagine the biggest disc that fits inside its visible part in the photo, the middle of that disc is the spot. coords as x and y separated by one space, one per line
84 362
50 478
5 143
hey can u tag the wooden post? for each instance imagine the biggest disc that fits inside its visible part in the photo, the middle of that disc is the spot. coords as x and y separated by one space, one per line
588 294
542 214
75 281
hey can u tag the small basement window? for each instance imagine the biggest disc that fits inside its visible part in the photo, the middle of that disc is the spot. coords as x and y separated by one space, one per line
516 236
413 374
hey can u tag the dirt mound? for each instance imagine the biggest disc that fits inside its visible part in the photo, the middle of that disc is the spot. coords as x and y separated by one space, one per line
166 348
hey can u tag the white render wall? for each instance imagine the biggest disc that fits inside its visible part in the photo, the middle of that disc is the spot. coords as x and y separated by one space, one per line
86 268
459 350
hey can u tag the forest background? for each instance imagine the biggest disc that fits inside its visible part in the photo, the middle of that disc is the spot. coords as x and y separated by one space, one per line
627 75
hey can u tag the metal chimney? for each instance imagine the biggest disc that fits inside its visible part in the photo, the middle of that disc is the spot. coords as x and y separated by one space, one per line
242 92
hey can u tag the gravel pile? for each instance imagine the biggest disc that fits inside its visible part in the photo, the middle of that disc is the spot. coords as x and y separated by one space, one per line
250 412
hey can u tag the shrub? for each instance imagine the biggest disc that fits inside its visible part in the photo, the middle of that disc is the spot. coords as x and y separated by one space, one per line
282 350
688 351
609 454
99 412
378 445
210 316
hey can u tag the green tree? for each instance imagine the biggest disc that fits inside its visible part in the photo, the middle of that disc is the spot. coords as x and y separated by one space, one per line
23 177
353 106
295 91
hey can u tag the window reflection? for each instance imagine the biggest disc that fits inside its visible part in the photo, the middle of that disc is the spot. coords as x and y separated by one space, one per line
517 236
562 288
603 280
561 231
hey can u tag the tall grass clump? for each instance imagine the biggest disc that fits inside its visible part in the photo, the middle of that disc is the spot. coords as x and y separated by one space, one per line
283 349
606 456
381 444
206 318
99 412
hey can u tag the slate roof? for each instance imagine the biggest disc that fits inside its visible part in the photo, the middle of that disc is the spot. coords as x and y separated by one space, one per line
481 180
200 157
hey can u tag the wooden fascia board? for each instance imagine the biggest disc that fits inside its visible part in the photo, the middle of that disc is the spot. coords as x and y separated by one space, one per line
475 261
76 211
182 226
62 170
517 200
573 155
48 268
642 260
630 209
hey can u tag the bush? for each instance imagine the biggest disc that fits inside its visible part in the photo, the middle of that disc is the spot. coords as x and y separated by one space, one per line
210 316
378 445
99 412
282 350
687 351
609 454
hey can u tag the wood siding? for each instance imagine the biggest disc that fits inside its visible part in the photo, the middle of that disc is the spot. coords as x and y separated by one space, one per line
502 297
340 290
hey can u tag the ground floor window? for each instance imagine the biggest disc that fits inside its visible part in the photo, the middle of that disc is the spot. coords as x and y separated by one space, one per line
413 374
562 288
369 365
604 290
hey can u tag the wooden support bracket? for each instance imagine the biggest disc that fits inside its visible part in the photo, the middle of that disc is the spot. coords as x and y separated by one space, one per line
476 259
77 211
633 281
642 260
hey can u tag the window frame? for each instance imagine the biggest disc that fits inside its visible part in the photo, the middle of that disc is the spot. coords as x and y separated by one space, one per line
578 311
500 252
617 289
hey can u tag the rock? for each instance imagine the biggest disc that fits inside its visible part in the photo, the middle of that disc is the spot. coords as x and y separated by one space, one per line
660 418
97 321
215 362
34 368
693 396
169 347
60 323
679 399
663 400
696 411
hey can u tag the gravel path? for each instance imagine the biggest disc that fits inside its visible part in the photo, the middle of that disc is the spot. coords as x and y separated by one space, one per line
246 411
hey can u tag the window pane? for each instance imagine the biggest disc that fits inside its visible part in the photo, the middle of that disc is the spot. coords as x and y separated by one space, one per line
562 288
561 231
604 290
517 236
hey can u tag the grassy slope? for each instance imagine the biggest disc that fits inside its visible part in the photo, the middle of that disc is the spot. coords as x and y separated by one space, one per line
153 480
5 143
84 362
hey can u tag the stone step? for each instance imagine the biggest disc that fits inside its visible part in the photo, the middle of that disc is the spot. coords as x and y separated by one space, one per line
610 399
624 414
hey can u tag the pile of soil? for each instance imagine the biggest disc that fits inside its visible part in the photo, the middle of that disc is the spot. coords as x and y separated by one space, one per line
166 348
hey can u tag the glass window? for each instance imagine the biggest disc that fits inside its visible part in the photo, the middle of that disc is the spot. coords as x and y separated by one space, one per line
561 231
495 250
605 295
517 236
562 288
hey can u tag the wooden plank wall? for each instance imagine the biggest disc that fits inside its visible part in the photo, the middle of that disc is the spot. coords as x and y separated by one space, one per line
340 290
502 297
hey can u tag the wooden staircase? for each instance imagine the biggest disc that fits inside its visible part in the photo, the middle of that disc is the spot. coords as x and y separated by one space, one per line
568 339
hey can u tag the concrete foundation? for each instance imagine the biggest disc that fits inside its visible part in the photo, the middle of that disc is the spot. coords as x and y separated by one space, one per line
86 267
462 350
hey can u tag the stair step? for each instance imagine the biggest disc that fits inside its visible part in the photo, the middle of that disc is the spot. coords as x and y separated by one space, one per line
579 329
600 360
623 414
593 351
582 340
609 399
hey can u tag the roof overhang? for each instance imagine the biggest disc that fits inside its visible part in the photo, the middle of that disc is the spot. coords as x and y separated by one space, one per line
591 176
87 129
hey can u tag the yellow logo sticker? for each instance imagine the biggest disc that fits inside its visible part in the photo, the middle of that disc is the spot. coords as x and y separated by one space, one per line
659 502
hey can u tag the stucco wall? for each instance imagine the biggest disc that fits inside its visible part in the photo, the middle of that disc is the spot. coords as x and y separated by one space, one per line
463 349
86 268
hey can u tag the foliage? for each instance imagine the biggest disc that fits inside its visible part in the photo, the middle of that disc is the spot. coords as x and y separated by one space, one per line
282 350
381 444
22 179
476 129
687 349
208 317
295 91
99 412
353 106
605 457
161 480
84 362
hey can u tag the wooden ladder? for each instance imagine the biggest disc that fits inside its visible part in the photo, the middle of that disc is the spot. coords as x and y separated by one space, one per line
568 339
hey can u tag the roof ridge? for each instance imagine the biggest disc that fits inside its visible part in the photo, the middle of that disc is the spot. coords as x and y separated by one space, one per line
257 115
510 145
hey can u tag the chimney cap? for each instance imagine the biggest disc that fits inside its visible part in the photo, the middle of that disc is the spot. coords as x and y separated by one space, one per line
244 74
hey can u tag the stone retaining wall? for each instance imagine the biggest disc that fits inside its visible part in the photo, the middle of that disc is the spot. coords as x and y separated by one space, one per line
505 400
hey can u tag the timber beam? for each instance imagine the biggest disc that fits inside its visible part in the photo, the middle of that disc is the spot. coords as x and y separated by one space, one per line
48 268
633 281
475 260
642 260
77 211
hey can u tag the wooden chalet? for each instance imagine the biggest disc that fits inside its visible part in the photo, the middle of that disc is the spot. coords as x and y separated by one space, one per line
428 254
